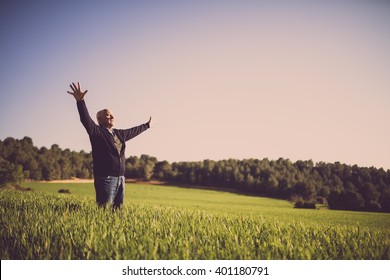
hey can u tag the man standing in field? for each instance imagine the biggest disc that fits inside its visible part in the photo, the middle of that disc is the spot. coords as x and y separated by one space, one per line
108 150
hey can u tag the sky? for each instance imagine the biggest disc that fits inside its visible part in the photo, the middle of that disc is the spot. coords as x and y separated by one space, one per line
298 80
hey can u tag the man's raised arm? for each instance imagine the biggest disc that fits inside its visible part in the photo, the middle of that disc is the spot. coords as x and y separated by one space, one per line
85 118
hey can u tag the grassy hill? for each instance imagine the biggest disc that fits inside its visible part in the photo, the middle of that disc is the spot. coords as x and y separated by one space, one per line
219 202
168 222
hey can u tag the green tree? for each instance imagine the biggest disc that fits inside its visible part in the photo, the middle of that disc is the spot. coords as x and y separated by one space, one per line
371 196
163 171
10 173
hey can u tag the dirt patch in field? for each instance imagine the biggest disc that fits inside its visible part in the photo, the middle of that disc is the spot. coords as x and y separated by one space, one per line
151 182
72 180
78 180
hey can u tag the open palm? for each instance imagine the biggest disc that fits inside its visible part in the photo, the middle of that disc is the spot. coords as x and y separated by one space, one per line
76 91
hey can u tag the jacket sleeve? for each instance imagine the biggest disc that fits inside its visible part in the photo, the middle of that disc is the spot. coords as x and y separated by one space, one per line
134 131
85 118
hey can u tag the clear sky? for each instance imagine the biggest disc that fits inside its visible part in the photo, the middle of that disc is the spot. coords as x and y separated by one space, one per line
221 79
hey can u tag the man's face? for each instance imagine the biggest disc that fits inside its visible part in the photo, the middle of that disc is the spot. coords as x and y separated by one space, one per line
105 118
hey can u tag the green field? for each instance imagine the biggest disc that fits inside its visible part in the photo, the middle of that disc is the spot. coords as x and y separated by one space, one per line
166 222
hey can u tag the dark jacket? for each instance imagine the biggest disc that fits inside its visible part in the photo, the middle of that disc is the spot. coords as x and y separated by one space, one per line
106 160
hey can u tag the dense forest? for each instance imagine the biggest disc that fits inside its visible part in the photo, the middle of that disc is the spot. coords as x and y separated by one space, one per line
20 159
339 185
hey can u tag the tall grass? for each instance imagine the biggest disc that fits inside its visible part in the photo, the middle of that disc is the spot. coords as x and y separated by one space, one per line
53 226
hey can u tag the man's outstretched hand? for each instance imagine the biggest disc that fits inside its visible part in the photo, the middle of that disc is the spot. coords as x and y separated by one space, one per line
149 122
77 93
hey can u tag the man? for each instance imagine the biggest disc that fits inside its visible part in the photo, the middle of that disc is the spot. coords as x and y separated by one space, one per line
108 150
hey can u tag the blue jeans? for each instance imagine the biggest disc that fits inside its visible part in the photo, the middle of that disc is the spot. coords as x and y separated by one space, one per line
110 189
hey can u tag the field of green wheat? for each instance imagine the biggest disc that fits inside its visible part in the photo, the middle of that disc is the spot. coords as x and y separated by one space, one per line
167 222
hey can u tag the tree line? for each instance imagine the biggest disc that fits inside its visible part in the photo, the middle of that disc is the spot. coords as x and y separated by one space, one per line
20 159
339 185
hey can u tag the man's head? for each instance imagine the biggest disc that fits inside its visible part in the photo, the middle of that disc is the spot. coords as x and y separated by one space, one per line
105 118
